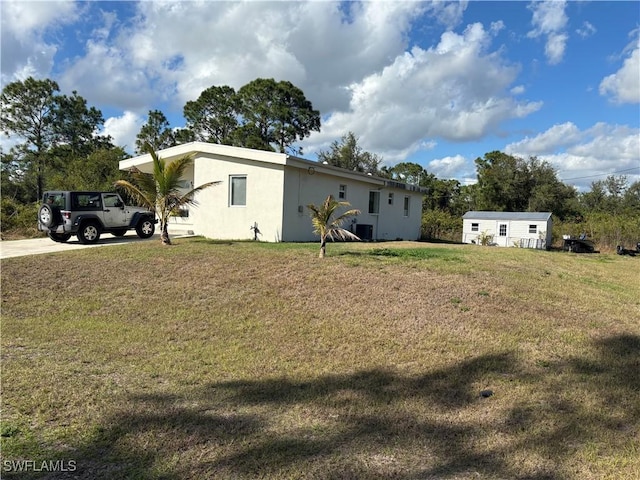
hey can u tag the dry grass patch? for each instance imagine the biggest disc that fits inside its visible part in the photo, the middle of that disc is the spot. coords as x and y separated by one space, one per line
249 360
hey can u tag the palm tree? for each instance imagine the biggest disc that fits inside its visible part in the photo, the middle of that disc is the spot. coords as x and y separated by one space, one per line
159 191
328 227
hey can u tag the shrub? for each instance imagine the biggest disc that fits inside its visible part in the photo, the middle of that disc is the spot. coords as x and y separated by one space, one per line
441 225
604 229
18 220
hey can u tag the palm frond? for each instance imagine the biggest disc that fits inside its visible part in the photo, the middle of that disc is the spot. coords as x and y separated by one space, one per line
161 191
142 195
325 225
341 234
188 198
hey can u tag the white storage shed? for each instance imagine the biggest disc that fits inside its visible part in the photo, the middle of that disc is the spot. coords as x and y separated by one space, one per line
508 229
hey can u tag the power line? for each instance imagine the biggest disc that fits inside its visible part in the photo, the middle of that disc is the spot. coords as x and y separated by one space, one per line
601 174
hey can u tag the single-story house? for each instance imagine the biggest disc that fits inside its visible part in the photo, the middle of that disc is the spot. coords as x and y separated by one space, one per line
270 191
506 229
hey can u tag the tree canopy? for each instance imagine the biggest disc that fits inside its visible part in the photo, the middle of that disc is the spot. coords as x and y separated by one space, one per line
156 132
348 154
213 117
52 130
263 114
508 183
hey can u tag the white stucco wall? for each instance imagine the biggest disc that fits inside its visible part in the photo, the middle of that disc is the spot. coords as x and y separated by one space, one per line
214 217
278 190
303 187
392 222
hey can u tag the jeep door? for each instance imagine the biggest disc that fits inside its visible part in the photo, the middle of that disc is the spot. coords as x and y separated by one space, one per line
114 213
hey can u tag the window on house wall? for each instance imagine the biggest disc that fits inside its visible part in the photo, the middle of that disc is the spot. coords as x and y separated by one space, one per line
374 202
406 206
502 230
342 192
238 190
183 212
533 229
391 198
475 227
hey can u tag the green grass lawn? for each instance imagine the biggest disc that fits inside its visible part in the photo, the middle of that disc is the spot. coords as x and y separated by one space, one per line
250 360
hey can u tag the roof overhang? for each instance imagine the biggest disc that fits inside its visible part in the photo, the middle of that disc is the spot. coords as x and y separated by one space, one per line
491 215
144 163
313 167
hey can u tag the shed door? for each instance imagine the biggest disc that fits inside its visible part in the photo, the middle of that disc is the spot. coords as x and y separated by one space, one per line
503 234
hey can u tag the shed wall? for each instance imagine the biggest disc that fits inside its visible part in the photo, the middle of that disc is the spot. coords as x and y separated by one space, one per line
517 231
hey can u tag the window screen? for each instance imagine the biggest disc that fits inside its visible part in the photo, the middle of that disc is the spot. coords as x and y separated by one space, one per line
238 191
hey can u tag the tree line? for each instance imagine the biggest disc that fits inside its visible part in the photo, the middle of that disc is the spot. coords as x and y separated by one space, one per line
58 147
609 212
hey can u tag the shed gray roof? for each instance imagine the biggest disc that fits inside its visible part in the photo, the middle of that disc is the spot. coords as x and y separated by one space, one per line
539 216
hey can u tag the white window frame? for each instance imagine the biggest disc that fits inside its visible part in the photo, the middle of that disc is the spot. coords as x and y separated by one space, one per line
475 227
342 192
406 205
533 228
390 200
231 200
502 226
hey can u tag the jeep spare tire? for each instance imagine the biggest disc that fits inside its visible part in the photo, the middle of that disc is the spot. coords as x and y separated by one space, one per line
145 228
89 232
47 215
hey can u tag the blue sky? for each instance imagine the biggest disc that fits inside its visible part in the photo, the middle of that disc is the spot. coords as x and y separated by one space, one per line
437 83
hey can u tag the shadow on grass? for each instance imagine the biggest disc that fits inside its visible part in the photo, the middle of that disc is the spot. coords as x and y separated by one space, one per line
409 253
378 423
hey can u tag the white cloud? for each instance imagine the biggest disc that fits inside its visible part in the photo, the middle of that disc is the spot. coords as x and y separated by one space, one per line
124 129
549 20
556 137
106 78
449 167
447 13
24 24
580 154
554 49
586 30
455 90
624 85
180 49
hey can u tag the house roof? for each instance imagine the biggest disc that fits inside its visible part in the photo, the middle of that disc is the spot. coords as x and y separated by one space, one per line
144 162
539 216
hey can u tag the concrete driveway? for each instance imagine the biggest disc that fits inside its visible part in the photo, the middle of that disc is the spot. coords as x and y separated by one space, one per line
34 246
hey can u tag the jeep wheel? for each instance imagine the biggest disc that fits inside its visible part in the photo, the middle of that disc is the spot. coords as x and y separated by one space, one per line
47 215
59 237
89 233
119 232
145 228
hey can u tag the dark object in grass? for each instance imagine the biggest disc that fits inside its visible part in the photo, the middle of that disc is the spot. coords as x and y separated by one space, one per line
578 245
486 393
620 250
